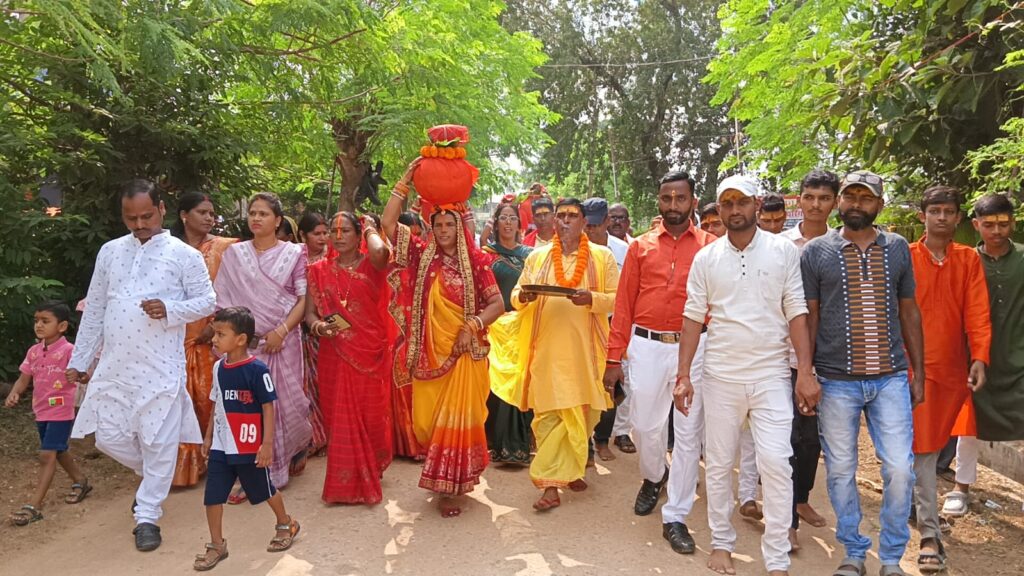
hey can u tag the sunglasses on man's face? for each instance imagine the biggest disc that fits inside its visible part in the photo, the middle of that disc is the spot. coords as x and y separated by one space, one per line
618 217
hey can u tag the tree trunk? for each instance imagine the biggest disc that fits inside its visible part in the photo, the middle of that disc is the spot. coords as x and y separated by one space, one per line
351 143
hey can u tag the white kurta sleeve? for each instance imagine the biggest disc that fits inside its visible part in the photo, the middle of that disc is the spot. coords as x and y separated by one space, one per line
200 299
90 331
793 302
696 308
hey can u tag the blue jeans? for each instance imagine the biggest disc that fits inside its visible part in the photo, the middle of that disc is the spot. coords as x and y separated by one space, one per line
885 403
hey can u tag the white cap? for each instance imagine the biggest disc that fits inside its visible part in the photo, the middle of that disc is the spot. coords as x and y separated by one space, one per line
745 184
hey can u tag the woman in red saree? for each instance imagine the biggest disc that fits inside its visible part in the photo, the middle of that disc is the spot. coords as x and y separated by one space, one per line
451 301
196 217
345 310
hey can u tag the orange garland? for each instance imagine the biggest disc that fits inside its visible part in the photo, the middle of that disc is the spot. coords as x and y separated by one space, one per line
582 259
445 152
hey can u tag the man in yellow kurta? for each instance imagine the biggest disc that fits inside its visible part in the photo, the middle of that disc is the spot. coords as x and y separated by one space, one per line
563 342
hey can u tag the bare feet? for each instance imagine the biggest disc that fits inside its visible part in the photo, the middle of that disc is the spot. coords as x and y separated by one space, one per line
548 500
578 485
449 506
721 561
604 453
810 515
590 462
794 541
751 510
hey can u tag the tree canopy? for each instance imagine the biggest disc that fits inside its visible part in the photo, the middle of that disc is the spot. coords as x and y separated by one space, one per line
234 97
920 91
625 78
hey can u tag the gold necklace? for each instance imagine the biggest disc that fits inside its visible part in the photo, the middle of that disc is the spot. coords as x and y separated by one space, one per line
262 250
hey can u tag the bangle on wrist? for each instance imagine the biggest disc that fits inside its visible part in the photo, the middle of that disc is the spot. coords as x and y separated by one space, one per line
611 362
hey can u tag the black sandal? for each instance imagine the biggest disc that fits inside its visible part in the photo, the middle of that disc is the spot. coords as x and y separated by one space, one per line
78 492
26 515
932 562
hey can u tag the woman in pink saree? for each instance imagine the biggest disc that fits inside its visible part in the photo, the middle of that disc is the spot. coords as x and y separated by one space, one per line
268 277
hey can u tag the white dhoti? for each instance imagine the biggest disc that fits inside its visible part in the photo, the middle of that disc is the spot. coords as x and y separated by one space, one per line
153 461
769 408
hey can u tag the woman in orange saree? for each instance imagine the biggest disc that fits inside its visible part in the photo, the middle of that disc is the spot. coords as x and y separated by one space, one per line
451 301
344 310
196 218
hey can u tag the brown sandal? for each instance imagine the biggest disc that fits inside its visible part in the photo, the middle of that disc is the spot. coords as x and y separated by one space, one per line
282 543
545 504
207 561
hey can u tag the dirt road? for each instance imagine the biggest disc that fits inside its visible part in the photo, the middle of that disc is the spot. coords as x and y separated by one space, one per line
593 533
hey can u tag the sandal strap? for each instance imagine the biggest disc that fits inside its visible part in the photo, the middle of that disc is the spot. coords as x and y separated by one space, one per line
283 527
221 548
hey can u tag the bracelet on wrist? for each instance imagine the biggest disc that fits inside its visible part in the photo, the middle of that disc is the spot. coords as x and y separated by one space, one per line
611 362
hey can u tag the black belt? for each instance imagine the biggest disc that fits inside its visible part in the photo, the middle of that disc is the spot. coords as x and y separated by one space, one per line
666 337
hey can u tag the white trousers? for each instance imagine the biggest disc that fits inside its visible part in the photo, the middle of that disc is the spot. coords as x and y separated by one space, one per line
748 467
153 462
689 445
621 426
768 406
967 448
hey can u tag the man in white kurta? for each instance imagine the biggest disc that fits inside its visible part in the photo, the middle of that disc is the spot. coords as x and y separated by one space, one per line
136 402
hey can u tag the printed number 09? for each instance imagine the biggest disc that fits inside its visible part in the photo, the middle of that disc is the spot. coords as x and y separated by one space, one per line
247 433
267 382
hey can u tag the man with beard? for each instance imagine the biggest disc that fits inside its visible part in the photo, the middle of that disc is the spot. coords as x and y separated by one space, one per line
647 321
818 191
146 287
562 349
955 314
750 287
864 321
618 222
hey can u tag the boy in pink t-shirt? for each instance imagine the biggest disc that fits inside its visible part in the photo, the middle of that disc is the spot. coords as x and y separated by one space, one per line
53 401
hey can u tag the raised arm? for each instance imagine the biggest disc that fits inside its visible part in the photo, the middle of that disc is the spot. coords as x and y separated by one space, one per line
393 209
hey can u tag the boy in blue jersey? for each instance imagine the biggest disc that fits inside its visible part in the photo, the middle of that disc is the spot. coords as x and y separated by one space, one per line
240 439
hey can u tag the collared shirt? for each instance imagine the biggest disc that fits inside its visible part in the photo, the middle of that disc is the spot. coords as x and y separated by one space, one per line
618 248
534 240
796 236
751 296
53 397
859 333
143 361
652 286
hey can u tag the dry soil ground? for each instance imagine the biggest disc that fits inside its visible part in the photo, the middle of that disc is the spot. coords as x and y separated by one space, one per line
593 533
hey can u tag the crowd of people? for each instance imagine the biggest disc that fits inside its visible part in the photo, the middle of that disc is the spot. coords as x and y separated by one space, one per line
714 335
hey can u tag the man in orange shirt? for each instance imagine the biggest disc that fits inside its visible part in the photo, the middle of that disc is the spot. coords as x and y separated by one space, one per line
647 319
953 297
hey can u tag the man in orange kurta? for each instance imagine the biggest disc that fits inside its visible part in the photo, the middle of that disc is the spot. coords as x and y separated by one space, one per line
953 297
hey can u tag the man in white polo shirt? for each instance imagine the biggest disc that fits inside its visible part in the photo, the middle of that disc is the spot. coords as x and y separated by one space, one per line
749 285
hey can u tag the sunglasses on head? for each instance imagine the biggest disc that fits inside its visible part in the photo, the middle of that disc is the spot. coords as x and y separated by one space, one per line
869 178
